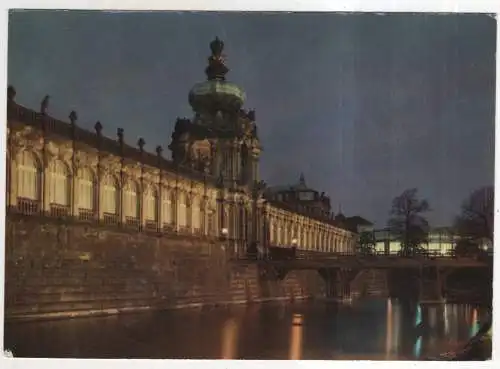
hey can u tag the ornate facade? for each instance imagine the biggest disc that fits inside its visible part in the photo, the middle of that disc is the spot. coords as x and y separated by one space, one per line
58 169
303 198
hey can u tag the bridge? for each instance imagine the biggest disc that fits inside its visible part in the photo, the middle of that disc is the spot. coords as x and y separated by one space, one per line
423 275
368 262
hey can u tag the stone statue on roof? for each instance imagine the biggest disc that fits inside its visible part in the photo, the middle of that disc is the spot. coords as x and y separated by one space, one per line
217 46
44 105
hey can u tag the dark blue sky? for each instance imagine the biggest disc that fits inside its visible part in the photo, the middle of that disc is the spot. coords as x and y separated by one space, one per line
365 105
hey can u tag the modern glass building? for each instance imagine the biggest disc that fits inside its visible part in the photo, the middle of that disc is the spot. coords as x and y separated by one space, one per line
440 240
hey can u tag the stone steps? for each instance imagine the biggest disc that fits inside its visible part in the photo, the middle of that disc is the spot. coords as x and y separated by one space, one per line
68 306
23 299
63 289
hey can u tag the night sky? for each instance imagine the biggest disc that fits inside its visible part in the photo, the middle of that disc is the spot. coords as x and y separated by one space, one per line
365 105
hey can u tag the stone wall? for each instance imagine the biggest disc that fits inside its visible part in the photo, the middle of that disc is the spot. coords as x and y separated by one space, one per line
57 269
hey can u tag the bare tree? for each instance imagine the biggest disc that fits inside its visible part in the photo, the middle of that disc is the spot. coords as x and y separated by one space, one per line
476 219
407 223
366 243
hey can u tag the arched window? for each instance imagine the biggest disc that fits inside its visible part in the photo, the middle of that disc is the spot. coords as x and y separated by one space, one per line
196 214
319 246
166 207
59 188
274 232
151 206
182 210
189 212
85 193
109 196
286 232
130 201
28 182
173 207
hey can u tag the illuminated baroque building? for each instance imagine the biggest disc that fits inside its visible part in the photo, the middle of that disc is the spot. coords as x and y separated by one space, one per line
302 198
211 184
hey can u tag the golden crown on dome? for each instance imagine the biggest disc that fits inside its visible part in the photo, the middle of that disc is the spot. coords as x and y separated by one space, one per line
216 93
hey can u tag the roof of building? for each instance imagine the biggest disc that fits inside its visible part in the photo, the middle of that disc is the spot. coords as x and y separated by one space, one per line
96 140
359 220
299 186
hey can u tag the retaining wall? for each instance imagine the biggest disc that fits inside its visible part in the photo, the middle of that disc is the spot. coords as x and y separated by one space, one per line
56 269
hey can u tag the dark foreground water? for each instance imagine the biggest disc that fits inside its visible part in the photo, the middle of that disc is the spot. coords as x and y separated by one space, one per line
371 330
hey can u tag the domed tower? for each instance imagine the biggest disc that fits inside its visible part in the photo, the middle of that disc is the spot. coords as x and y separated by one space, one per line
216 95
221 132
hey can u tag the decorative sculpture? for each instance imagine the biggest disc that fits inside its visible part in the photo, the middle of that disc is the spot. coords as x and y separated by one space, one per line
217 46
44 105
216 68
251 115
159 150
98 128
141 144
119 133
73 117
254 131
11 93
302 179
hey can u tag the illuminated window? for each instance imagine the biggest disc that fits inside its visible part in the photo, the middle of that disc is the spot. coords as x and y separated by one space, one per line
28 176
196 212
173 205
59 184
211 221
109 195
130 200
151 204
182 209
166 206
85 189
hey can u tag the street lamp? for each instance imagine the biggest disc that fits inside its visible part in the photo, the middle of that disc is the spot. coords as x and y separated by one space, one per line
294 246
223 237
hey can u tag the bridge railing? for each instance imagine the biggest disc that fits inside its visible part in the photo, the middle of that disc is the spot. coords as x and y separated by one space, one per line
279 253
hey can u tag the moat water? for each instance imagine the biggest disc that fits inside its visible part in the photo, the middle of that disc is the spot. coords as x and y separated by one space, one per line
361 330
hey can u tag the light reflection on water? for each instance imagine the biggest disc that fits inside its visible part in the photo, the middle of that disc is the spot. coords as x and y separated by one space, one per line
371 330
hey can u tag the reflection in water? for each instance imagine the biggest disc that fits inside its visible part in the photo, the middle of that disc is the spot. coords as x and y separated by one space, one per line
296 337
230 339
418 317
397 328
418 348
365 330
432 317
388 341
446 320
474 323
